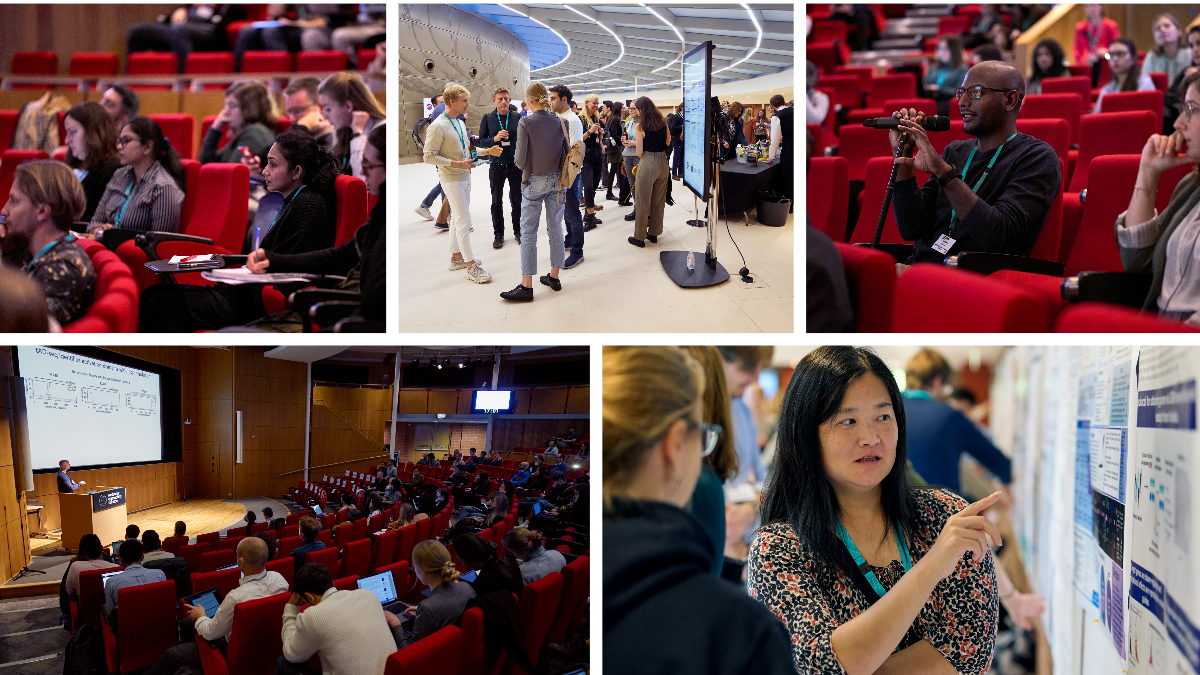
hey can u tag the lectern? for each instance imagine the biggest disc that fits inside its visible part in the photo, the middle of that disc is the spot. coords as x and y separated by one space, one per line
102 513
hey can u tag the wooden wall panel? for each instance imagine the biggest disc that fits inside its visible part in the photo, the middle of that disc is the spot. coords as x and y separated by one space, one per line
443 401
510 433
214 423
146 485
271 395
335 434
14 536
466 397
552 401
579 400
413 401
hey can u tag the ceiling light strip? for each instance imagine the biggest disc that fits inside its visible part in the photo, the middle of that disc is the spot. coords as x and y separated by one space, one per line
682 42
560 37
615 36
757 44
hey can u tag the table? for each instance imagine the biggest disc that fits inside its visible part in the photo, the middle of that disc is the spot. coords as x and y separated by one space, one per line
36 508
165 266
741 183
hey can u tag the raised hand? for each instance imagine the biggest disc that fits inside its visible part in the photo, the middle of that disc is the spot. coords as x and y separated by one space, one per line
894 134
964 532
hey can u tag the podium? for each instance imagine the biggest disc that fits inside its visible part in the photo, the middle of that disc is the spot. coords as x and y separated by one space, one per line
101 513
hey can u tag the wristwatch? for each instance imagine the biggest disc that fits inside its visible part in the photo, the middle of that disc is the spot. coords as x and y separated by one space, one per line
944 179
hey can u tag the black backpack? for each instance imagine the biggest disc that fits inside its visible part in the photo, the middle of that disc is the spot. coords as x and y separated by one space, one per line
418 132
84 653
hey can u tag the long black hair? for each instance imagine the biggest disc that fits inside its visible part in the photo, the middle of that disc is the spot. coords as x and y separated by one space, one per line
149 133
320 168
1056 52
798 492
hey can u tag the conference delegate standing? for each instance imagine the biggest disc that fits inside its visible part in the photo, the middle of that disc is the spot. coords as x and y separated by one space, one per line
499 128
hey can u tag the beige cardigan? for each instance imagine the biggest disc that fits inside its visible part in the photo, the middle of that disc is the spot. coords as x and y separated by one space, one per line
442 146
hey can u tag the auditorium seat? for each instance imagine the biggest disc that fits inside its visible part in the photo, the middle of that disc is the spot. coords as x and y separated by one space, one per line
400 575
1098 317
8 124
933 298
1070 85
325 537
146 628
91 599
884 87
849 93
437 654
360 528
1126 101
1160 81
342 535
193 554
349 583
356 559
365 57
877 172
114 307
173 544
327 557
180 130
33 63
209 63
266 62
574 592
256 641
871 278
211 538
224 581
94 64
321 60
287 544
405 543
350 196
863 73
826 31
9 161
231 542
424 527
1055 132
1093 246
539 600
1067 106
860 144
1109 134
147 64
328 521
216 559
823 55
384 550
259 527
476 656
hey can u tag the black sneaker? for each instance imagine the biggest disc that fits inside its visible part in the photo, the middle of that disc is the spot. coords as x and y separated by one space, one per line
518 294
637 242
518 238
610 196
652 239
498 243
445 227
548 281
631 216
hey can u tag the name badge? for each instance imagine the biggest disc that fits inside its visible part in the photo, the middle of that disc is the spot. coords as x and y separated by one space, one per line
943 244
504 144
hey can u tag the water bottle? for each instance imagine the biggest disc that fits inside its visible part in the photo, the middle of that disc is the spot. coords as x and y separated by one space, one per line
691 260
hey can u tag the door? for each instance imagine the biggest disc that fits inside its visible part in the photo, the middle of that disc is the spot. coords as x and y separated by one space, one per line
208 477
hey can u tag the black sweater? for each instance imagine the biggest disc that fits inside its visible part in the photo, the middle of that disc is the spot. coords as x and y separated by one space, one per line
663 611
490 126
94 184
306 223
1012 207
366 251
615 129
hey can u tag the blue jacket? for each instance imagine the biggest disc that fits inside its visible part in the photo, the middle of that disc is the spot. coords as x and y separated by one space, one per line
939 434
520 477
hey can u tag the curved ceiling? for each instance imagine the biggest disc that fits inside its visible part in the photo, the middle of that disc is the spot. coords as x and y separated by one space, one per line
604 47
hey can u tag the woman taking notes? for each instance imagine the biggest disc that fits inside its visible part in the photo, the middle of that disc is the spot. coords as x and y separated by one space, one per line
869 574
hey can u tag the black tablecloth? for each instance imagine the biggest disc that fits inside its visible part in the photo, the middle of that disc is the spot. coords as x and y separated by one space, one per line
741 183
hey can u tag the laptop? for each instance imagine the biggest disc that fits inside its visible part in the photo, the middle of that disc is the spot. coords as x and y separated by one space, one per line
317 510
104 577
209 599
228 567
384 588
537 508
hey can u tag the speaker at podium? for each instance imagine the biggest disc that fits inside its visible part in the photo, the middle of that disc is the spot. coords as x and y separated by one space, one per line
101 512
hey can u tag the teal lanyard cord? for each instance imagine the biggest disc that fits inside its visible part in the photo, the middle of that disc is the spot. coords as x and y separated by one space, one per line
461 140
284 208
941 76
46 248
963 175
866 570
124 205
504 124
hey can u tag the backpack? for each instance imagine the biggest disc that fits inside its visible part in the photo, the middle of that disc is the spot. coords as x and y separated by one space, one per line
572 163
418 132
84 653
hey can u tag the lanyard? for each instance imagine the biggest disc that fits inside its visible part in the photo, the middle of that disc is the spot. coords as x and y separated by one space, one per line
941 76
504 124
466 153
284 208
124 204
862 563
45 249
975 189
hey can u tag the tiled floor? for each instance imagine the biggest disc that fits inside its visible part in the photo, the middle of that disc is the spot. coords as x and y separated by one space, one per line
618 288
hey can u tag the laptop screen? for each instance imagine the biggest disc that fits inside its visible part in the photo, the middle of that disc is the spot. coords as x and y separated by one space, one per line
317 510
382 585
104 577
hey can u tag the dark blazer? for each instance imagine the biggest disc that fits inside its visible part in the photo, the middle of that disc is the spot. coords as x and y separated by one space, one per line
490 126
94 184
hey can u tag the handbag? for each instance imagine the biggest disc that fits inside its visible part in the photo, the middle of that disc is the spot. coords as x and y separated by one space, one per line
572 162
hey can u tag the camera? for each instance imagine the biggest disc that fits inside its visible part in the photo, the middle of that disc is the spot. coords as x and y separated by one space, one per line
722 131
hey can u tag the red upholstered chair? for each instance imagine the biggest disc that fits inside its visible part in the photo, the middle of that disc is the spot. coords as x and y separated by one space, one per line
285 566
114 307
847 89
876 174
146 628
9 161
1098 317
287 545
1055 132
1104 134
161 64
91 64
329 520
935 298
349 583
91 598
233 28
884 87
350 196
173 544
863 73
210 63
1160 81
266 62
871 277
35 63
259 527
255 643
824 55
327 557
404 545
355 559
343 534
231 542
365 57
211 538
859 145
1068 107
8 124
1093 246
325 537
192 555
437 654
476 658
826 30
180 128
424 528
384 549
360 528
217 559
574 591
400 575
1069 85
322 60
224 581
1137 101
539 601
828 182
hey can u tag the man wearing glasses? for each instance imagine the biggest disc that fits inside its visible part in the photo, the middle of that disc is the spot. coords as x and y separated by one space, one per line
990 194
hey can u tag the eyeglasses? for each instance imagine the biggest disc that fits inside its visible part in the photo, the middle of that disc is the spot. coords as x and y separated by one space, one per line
1117 55
298 111
711 434
976 92
126 140
1190 108
367 166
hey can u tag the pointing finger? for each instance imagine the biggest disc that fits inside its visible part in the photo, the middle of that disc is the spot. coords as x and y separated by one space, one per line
974 509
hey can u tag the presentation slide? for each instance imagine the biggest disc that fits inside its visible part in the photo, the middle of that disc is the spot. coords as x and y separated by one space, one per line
89 411
493 401
695 118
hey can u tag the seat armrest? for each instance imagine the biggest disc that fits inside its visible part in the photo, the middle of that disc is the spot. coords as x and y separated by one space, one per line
1118 288
114 237
232 259
149 241
330 312
986 263
357 324
901 252
302 301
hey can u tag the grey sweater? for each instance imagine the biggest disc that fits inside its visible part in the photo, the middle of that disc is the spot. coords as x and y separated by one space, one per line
541 145
1144 247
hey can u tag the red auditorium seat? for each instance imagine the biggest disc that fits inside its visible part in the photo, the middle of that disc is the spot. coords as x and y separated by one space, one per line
384 550
8 124
286 545
285 566
871 277
91 599
863 73
213 539
173 544
435 655
216 559
824 55
152 63
424 527
209 63
114 306
826 31
400 575
1126 101
224 581
1110 134
355 559
575 591
231 541
256 641
9 161
933 298
1093 247
266 62
884 87
191 555
1067 107
859 145
476 657
342 535
146 628
1070 85
1098 317
327 557
360 529
34 63
406 542
349 583
260 527
322 60
365 57
539 600
180 129
878 171
1056 132
351 196
1160 81
325 537
849 93
94 64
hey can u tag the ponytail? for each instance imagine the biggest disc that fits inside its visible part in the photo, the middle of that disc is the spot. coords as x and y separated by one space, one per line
148 131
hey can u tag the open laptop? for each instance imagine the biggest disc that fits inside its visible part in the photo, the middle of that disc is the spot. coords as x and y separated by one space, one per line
317 510
537 508
104 577
384 588
229 567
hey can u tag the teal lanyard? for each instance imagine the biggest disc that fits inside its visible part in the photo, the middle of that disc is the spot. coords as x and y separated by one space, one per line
975 189
46 248
941 76
503 125
284 208
862 563
124 205
466 153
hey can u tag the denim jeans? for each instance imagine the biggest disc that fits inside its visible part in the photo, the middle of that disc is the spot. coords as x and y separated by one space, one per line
541 190
433 194
573 218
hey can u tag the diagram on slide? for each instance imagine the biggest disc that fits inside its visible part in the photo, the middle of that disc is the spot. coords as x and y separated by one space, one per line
102 399
52 393
141 403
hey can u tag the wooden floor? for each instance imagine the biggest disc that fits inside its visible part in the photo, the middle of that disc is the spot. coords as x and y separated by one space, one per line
201 515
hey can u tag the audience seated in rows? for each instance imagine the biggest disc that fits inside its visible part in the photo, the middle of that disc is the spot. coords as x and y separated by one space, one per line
493 573
91 150
528 547
353 110
146 193
186 29
302 106
121 103
153 547
90 557
250 121
447 599
134 574
309 529
347 629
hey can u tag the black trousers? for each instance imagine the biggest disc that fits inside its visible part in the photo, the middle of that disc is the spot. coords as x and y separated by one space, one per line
591 175
785 178
497 174
182 39
613 171
167 308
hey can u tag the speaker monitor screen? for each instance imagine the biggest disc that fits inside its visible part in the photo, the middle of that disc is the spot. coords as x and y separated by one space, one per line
488 401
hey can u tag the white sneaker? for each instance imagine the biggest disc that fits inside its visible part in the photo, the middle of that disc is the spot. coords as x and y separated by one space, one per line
457 264
423 211
478 274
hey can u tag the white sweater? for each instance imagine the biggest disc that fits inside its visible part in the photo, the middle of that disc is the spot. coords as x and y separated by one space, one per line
347 628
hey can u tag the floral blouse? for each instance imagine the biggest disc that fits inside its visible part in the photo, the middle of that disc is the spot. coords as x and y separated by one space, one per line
959 619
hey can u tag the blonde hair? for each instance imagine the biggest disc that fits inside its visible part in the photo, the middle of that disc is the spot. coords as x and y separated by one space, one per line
724 459
347 86
646 389
497 91
51 182
538 93
584 115
433 558
735 110
523 539
453 92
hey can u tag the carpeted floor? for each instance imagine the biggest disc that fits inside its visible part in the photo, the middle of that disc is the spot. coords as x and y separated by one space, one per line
31 638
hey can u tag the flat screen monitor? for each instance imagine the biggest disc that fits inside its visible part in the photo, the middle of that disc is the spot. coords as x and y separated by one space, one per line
697 89
489 401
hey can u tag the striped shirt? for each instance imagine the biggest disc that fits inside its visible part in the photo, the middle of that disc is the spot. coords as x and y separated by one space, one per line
154 203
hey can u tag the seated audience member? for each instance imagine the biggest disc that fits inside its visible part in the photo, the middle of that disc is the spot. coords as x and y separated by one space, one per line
294 28
304 108
560 466
949 71
471 517
256 582
380 481
493 573
153 547
390 473
91 557
251 518
180 529
91 150
45 198
653 419
536 562
251 119
132 531
1157 243
268 514
353 110
347 629
22 304
551 448
987 52
135 574
457 460
304 174
189 28
309 528
1172 55
406 517
1173 101
521 476
460 478
829 309
146 193
121 104
355 514
991 194
1127 75
447 599
272 547
1049 60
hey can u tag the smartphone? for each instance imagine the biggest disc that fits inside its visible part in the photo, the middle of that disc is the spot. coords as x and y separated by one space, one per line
480 162
246 154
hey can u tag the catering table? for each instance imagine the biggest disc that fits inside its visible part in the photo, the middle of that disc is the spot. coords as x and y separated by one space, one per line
741 183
